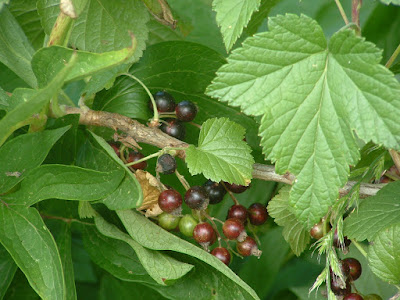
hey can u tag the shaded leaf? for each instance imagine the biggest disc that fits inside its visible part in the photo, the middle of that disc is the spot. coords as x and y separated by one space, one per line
221 153
311 95
7 270
260 16
20 289
396 2
293 231
27 239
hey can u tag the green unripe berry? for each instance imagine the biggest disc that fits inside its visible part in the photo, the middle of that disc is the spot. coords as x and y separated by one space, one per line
168 221
187 225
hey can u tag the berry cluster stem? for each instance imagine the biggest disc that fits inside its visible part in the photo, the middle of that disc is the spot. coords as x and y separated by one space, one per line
360 248
231 194
144 158
355 14
342 12
182 179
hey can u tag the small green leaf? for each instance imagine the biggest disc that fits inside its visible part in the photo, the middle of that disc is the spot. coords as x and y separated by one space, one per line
50 60
24 153
37 99
375 213
311 95
260 16
7 270
221 154
64 182
232 16
26 237
293 232
384 254
159 266
15 49
152 236
396 2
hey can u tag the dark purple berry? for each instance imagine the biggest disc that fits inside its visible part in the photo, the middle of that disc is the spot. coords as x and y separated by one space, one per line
354 266
248 247
236 188
186 111
238 212
115 147
222 254
166 164
135 156
353 296
170 201
164 102
234 229
215 191
257 213
336 287
174 128
336 242
196 197
204 233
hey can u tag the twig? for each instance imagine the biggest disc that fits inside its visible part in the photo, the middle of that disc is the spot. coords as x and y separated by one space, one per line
342 12
66 220
355 14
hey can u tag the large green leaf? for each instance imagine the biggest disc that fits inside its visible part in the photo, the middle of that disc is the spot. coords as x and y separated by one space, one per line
4 99
7 270
49 61
260 16
293 232
154 237
232 16
159 266
31 245
384 254
374 214
2 2
33 103
221 153
15 49
65 182
24 153
312 95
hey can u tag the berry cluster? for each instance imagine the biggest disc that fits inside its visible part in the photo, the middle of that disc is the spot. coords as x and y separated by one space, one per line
184 111
195 225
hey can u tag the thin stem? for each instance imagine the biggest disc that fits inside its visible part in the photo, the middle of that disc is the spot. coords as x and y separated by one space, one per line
143 159
342 12
66 220
360 248
231 194
396 158
182 179
355 14
393 57
153 102
251 228
215 228
195 124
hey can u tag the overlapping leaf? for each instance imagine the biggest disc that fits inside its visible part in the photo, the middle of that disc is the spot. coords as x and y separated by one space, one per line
31 245
384 254
232 16
312 94
374 214
221 153
7 270
293 231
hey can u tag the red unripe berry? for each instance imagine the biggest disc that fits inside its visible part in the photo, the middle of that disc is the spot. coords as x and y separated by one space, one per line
236 188
222 254
238 212
170 200
234 229
317 231
115 147
135 156
257 213
248 247
204 233
354 266
353 296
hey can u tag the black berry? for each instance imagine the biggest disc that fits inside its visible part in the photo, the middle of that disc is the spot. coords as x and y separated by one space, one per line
238 212
166 164
222 254
234 229
353 296
174 128
248 247
236 188
164 102
196 197
187 225
186 111
170 201
354 266
257 214
336 287
215 191
135 156
204 234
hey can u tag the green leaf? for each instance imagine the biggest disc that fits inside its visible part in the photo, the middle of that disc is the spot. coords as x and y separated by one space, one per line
232 16
20 289
311 96
79 6
64 182
24 153
375 213
2 2
221 153
259 16
159 266
36 100
7 270
160 33
152 236
27 239
15 49
396 2
384 254
50 60
26 14
4 99
293 231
